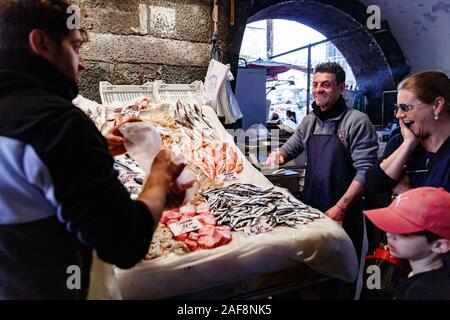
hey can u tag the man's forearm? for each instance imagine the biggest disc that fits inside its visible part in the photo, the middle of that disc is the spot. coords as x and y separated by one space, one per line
294 146
353 192
154 195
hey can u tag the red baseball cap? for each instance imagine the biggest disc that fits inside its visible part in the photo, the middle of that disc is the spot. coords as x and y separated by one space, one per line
415 210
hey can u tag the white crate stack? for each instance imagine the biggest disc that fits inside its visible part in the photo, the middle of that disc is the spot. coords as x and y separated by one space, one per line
187 93
112 94
158 92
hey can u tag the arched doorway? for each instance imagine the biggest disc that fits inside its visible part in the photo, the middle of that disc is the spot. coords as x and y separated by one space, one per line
286 82
376 59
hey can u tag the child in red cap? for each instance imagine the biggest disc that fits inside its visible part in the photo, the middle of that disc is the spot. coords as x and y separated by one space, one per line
417 224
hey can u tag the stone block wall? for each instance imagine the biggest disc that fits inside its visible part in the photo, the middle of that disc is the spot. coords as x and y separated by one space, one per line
135 41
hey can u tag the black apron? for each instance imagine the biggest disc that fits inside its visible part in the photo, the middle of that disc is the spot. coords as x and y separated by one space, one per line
329 173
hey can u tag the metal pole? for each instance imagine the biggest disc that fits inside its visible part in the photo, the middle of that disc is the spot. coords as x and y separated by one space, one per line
308 77
269 37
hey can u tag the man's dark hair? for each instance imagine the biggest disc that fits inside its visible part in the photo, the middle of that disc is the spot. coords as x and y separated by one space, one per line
19 17
432 237
332 67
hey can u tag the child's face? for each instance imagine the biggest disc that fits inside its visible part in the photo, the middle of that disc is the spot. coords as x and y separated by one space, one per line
408 246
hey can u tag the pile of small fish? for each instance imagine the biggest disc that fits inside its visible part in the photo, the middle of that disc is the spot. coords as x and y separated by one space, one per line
193 118
197 141
254 210
188 133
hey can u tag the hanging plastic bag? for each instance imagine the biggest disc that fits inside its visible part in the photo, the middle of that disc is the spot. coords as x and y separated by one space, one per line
219 91
228 103
215 77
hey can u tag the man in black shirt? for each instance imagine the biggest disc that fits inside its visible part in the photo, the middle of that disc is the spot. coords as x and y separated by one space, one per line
60 198
418 229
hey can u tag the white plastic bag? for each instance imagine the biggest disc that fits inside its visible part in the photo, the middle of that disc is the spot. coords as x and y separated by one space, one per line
215 77
143 143
228 103
219 91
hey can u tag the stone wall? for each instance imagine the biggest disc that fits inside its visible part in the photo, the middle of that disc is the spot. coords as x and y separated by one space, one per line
135 41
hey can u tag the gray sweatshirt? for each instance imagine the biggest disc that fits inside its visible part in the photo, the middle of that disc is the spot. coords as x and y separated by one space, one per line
355 130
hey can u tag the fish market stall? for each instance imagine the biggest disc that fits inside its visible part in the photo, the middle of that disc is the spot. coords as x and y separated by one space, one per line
254 236
248 239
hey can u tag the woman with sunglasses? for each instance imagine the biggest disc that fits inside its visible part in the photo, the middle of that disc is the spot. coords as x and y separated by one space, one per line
420 155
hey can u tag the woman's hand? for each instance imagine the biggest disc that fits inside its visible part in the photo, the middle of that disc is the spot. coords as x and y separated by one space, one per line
408 134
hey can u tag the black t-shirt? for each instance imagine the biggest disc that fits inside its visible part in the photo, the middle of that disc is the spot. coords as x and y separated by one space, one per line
418 169
431 285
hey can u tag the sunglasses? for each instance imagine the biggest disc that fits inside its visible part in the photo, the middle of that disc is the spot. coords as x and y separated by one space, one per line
402 106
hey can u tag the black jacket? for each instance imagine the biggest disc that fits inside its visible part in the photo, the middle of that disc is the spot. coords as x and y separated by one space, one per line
59 194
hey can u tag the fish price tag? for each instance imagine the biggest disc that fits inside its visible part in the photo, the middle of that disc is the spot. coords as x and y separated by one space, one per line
185 226
228 176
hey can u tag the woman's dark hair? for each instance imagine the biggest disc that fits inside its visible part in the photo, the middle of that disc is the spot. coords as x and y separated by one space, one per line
332 67
19 17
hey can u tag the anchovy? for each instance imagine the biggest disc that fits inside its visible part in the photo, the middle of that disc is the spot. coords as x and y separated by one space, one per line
254 209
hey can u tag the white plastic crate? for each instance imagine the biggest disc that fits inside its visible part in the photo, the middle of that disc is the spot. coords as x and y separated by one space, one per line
187 93
111 94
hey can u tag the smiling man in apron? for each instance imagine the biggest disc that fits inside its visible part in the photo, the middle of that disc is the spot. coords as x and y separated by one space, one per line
341 145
